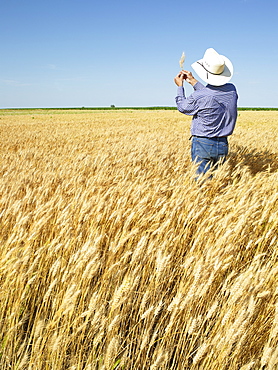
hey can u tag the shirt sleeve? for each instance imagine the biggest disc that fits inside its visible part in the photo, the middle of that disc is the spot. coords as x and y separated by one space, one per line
187 105
198 86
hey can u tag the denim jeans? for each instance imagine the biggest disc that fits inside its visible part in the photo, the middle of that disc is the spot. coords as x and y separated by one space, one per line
208 152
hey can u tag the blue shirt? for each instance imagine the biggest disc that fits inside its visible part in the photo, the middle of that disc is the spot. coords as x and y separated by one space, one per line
214 109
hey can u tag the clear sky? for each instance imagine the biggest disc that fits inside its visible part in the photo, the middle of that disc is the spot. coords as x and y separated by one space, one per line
95 53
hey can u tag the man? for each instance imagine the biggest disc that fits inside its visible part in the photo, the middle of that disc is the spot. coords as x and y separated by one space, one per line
213 107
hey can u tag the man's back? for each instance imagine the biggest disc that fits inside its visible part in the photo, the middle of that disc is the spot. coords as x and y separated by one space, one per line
214 109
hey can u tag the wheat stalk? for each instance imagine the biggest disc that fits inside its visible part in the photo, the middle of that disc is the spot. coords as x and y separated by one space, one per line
182 59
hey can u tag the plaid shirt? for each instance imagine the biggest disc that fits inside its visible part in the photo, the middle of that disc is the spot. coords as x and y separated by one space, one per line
214 109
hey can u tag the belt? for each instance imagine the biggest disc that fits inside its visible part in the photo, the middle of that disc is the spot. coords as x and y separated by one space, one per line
206 137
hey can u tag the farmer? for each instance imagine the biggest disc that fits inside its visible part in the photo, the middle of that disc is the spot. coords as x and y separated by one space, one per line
213 107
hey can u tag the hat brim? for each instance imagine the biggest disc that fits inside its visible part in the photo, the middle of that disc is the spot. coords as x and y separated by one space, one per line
213 79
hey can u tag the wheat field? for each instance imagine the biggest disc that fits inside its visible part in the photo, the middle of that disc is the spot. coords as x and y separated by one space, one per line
112 255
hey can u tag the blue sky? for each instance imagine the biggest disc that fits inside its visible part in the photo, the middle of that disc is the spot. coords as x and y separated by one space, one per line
75 53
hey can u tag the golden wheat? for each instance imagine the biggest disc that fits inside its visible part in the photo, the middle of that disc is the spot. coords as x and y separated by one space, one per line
113 257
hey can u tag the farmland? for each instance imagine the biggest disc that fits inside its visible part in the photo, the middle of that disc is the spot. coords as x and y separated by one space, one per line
113 257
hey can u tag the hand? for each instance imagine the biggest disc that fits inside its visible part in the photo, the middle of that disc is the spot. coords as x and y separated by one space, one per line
179 78
189 78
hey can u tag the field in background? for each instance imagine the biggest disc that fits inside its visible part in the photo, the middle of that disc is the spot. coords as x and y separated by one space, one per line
113 257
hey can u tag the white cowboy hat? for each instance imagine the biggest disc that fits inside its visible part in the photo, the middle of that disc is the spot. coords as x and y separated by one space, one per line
214 69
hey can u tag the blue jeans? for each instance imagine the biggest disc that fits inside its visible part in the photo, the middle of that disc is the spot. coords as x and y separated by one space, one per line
208 152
